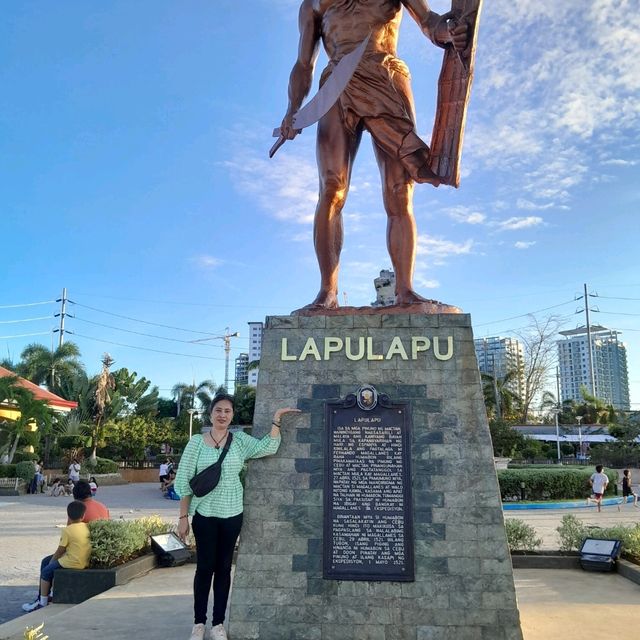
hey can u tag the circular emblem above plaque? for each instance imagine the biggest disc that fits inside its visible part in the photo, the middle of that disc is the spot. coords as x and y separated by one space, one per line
367 397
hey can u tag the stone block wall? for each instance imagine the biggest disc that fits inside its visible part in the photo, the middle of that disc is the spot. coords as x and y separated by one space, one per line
464 582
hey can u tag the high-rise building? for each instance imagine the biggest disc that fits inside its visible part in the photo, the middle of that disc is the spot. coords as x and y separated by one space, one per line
385 285
255 350
498 356
242 373
610 372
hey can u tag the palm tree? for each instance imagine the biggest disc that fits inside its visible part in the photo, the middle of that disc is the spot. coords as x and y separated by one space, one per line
593 409
186 395
44 366
499 397
105 385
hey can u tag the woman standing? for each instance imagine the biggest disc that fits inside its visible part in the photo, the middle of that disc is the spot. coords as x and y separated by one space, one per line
74 471
217 516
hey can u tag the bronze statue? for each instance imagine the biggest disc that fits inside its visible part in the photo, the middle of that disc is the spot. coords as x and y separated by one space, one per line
377 97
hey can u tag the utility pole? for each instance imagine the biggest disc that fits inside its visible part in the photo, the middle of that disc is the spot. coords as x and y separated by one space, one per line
557 414
592 375
496 395
61 315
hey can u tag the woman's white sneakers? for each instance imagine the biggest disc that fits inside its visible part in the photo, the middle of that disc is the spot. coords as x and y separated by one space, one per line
218 633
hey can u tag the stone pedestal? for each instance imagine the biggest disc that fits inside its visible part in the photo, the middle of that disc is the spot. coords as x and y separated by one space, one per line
463 588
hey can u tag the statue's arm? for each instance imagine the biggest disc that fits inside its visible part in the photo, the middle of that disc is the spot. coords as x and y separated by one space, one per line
302 73
435 27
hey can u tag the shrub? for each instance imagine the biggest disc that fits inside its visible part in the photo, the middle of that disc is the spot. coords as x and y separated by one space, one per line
573 532
23 456
521 536
25 470
102 465
7 470
114 542
554 483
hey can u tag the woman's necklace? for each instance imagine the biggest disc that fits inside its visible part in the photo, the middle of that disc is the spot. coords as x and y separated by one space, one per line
217 443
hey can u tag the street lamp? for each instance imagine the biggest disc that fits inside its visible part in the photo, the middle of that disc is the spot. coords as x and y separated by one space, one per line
191 412
579 419
227 350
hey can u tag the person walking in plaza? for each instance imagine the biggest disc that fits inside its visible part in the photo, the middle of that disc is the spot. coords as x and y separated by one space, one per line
95 510
217 516
73 552
74 471
627 490
163 473
599 482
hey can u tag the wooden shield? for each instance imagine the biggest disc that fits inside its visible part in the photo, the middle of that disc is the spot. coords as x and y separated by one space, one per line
454 89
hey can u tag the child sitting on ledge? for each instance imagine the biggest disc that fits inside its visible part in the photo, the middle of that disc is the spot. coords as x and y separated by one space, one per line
73 552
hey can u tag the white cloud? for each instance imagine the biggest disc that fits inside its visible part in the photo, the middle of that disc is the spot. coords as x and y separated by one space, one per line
553 83
528 205
286 186
467 215
523 245
435 251
511 224
619 162
206 261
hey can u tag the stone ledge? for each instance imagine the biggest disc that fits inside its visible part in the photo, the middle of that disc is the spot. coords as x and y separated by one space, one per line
73 586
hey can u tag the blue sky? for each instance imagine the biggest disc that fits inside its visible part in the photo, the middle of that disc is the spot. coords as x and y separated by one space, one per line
134 172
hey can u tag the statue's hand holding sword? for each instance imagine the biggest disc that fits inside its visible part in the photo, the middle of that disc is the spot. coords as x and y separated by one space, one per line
326 97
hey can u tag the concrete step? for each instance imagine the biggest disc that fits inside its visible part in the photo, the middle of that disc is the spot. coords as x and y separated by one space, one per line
14 629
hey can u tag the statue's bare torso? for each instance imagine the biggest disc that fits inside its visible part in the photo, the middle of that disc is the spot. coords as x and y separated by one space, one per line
346 23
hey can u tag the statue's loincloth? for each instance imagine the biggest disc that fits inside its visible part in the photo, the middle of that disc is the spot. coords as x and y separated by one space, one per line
378 98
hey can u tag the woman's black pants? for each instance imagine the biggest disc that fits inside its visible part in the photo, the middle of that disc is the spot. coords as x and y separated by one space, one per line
215 543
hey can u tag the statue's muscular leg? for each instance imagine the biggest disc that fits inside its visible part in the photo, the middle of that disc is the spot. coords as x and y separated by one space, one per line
335 150
397 191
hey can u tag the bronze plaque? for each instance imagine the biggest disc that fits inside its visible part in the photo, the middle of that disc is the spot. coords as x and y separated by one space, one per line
368 516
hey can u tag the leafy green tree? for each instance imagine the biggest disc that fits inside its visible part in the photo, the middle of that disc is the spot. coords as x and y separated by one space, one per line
245 403
130 436
167 408
137 398
507 442
51 367
33 412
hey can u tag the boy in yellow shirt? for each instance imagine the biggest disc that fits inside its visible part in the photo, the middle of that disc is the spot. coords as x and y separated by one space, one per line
73 552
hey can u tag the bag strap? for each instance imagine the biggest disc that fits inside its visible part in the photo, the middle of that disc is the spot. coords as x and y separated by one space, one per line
227 444
222 456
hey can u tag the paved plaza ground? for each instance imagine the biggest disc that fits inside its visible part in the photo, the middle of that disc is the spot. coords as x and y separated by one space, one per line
553 604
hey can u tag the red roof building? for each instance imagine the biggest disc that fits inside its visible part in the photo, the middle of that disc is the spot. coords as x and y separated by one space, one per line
55 402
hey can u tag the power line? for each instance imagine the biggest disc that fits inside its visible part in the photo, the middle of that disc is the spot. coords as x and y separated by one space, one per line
178 302
155 324
140 333
26 335
28 304
612 297
615 313
523 315
25 320
130 346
